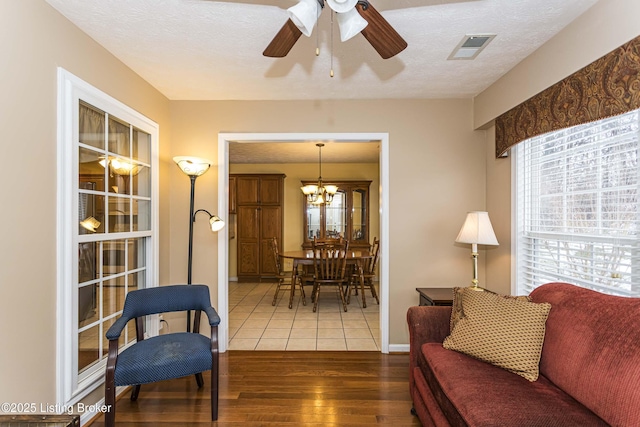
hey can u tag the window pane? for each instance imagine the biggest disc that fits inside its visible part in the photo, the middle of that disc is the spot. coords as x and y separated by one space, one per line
119 137
87 305
141 215
88 347
91 126
113 257
90 214
88 261
119 214
141 146
90 170
113 292
136 280
131 333
137 257
141 182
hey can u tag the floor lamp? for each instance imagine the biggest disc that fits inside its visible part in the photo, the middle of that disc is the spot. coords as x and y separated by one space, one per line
194 167
477 230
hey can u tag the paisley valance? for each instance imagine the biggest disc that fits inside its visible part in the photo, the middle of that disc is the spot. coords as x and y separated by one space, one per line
607 87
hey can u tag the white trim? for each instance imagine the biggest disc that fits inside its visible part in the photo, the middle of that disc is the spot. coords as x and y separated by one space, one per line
513 155
399 348
70 389
223 200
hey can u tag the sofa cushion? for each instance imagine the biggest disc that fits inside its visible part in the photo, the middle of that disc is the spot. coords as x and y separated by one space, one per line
592 349
505 332
474 393
456 310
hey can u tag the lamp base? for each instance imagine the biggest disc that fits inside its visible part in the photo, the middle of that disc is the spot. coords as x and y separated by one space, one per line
474 285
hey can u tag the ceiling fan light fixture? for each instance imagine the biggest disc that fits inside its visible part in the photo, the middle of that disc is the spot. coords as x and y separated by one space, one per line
350 23
342 6
305 15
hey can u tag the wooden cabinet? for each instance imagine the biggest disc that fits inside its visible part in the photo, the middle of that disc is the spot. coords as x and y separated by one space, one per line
346 216
259 205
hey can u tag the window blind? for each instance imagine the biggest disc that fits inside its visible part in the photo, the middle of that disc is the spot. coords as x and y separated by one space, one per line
577 211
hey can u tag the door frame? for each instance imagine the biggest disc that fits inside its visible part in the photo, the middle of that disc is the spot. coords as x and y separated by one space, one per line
223 208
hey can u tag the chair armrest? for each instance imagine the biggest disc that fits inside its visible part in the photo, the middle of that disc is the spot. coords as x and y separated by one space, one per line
116 329
214 319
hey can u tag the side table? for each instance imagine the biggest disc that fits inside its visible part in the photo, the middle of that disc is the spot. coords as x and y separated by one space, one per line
436 296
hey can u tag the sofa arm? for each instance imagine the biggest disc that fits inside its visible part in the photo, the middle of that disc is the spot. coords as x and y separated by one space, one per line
426 324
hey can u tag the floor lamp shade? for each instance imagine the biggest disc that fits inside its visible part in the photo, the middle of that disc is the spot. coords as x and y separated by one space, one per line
193 166
477 230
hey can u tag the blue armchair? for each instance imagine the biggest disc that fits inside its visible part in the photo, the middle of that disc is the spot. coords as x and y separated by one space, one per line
166 356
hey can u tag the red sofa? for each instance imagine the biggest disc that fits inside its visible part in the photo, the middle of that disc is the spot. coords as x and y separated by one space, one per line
589 368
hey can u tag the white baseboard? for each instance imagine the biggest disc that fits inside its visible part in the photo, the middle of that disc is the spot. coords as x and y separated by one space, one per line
398 348
233 279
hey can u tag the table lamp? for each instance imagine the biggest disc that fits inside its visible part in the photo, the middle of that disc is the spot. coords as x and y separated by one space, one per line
477 230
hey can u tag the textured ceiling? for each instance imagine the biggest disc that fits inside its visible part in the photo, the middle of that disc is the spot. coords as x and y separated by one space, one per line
212 50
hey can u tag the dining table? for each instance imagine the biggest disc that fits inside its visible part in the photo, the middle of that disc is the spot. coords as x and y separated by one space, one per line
306 256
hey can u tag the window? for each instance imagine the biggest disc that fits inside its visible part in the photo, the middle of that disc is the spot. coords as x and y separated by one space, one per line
106 220
577 211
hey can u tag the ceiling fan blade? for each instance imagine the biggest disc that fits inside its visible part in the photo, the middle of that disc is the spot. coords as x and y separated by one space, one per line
379 33
283 41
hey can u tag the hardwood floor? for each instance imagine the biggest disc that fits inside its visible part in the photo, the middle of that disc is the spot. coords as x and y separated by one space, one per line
278 388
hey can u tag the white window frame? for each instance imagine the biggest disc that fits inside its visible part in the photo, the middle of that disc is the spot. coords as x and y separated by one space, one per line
70 386
519 286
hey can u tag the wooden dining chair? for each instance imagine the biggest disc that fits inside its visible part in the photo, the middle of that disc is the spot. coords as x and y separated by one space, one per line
329 267
369 273
282 276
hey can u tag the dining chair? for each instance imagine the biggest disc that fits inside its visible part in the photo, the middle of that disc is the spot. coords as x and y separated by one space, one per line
329 266
368 274
283 277
162 357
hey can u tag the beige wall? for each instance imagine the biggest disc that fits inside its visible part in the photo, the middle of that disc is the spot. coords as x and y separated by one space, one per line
439 169
293 202
34 41
437 174
606 26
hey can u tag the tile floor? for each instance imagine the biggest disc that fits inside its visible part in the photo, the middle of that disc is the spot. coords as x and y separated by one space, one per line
254 324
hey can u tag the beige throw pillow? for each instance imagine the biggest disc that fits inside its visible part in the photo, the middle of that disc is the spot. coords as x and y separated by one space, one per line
457 313
502 331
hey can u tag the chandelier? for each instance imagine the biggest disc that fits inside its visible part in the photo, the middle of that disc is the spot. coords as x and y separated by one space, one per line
319 194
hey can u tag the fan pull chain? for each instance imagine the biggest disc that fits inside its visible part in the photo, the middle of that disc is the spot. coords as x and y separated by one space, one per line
331 73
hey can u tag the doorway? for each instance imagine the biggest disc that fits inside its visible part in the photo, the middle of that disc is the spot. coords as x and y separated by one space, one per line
224 139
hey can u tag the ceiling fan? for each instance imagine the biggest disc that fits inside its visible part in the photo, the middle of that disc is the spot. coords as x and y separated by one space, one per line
353 16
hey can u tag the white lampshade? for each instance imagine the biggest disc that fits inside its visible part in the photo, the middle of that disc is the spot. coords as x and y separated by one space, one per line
193 166
305 15
350 23
309 189
216 223
342 6
477 229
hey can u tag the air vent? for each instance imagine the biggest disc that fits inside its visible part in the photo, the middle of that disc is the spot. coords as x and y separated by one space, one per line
471 46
